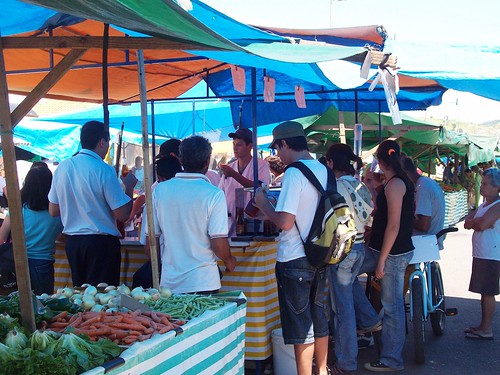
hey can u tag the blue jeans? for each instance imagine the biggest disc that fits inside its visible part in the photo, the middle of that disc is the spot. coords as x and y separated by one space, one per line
41 275
343 276
302 301
392 298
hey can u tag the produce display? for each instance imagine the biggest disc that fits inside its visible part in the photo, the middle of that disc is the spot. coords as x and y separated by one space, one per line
449 188
123 328
46 352
81 328
185 306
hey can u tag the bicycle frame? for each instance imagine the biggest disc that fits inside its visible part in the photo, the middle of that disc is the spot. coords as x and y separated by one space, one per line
422 272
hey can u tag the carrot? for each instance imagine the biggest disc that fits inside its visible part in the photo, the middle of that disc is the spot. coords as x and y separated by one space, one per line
165 329
135 327
58 325
154 325
166 322
91 321
76 322
149 331
163 315
144 337
113 319
94 332
155 317
62 314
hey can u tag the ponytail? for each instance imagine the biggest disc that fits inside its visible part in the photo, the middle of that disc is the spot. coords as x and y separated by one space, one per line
390 153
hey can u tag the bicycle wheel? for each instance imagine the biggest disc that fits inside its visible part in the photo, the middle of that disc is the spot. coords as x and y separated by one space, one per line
418 320
439 315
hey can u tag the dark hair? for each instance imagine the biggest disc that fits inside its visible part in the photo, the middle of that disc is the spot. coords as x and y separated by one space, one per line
389 153
167 166
195 153
170 146
341 155
92 133
35 191
298 143
409 165
275 164
39 164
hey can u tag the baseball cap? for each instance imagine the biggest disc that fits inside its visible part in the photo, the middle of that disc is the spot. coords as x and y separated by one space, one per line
168 147
242 133
287 129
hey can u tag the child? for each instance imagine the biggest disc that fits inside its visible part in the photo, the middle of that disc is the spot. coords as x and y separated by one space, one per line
485 253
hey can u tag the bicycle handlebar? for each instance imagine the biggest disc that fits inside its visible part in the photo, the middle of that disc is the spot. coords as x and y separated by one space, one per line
446 230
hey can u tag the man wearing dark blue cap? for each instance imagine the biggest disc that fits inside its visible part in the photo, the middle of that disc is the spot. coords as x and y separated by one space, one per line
239 173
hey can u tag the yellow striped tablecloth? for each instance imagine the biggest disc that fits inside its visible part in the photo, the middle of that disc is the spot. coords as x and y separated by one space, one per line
133 257
254 276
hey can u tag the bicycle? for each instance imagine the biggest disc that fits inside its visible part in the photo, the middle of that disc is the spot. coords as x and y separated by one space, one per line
427 298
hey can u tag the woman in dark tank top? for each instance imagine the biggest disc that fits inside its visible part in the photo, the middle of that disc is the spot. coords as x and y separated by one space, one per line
391 249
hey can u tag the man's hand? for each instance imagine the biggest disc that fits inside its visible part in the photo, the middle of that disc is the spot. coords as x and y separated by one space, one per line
230 263
227 170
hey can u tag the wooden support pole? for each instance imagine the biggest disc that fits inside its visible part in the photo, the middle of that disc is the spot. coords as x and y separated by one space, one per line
45 85
147 167
16 216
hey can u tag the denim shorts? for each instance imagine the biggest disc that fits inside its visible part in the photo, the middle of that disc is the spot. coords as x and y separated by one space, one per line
302 294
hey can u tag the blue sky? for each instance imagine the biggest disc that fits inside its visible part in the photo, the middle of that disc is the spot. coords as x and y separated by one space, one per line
438 21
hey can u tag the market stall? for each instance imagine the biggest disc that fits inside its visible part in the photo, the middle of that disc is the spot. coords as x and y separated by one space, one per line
254 275
455 206
133 257
211 344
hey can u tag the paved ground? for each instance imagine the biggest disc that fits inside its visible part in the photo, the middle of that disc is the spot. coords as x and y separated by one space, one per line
452 353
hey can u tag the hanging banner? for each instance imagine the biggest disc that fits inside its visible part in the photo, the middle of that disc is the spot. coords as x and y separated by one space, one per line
358 136
299 97
238 75
269 89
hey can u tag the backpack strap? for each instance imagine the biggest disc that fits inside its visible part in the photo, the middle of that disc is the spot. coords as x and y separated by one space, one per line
331 184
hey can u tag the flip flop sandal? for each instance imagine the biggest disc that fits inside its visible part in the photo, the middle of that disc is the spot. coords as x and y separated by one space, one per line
336 370
470 330
478 335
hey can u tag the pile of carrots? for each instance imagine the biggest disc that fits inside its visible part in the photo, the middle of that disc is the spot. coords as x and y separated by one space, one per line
123 328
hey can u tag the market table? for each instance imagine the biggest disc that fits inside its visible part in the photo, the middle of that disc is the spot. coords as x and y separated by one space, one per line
133 257
455 207
211 344
254 275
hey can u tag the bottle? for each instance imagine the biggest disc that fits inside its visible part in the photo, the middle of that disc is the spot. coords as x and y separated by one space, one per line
240 222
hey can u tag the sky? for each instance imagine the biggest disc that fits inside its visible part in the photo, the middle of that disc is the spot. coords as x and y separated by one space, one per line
437 21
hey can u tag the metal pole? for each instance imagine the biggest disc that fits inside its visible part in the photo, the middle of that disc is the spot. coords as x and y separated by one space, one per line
254 140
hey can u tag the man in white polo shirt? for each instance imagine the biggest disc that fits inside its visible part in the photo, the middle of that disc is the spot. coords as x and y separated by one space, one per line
87 194
191 216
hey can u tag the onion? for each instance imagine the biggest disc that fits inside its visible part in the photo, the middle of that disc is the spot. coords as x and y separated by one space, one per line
165 292
139 296
123 289
104 298
88 303
67 292
109 288
92 290
102 285
97 308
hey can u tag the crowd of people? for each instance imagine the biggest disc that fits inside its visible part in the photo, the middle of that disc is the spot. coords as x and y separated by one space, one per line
194 215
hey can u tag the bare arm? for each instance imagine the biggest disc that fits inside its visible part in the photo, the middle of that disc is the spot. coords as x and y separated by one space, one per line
5 229
54 209
231 173
122 213
422 223
484 222
220 246
283 220
394 192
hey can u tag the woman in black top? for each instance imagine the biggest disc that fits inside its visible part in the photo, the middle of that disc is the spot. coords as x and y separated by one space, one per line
391 249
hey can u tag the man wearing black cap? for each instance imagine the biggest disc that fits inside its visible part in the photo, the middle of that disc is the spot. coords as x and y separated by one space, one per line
239 173
300 285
